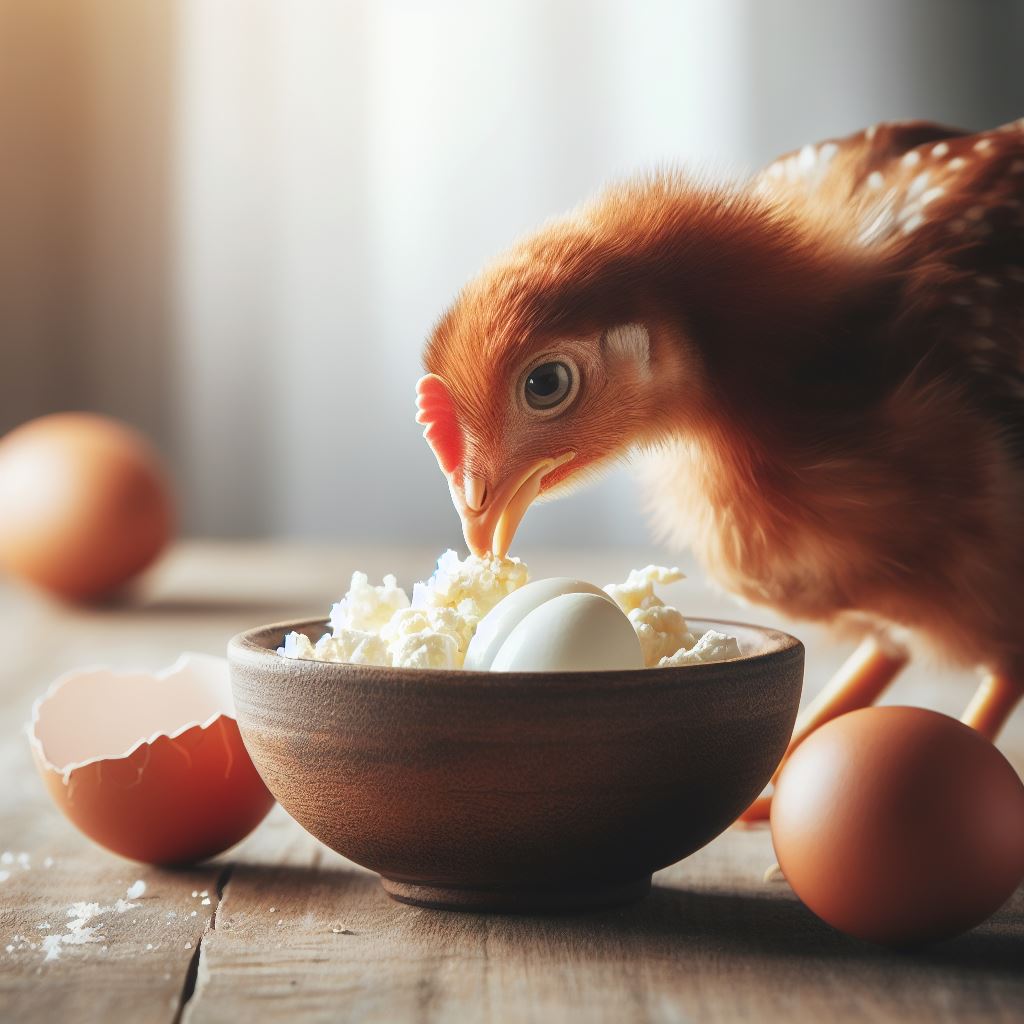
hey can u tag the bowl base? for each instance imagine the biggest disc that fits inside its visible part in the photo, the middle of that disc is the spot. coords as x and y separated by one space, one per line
525 900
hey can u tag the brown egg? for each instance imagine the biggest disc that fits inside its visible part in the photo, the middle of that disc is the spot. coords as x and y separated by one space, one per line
151 766
899 825
84 504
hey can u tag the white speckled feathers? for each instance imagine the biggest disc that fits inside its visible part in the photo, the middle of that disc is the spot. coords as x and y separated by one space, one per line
949 205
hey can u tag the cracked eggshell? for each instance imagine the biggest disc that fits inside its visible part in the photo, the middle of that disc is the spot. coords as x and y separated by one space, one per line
149 765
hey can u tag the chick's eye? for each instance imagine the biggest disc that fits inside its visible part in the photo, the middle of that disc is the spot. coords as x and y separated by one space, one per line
547 385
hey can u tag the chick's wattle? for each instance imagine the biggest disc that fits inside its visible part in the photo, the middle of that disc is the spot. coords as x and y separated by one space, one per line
827 362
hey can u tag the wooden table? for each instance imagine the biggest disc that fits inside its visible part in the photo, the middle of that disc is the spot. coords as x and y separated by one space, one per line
292 931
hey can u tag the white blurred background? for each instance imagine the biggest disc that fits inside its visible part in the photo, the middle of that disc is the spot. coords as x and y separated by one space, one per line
233 222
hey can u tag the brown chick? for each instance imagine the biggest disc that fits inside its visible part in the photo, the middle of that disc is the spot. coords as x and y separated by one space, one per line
826 365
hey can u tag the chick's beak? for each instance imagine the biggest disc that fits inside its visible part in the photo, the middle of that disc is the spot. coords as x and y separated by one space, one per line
491 515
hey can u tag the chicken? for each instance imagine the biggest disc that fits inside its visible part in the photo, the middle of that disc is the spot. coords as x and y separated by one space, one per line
824 365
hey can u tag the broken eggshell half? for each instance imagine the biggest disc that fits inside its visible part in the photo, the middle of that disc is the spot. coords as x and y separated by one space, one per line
149 765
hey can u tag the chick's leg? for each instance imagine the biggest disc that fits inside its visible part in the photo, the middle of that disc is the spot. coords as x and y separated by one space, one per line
863 678
993 703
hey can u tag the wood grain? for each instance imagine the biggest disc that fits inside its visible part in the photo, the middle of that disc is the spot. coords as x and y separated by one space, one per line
714 942
508 791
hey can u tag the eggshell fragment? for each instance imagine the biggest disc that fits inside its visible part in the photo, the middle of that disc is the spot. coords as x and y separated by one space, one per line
899 825
151 766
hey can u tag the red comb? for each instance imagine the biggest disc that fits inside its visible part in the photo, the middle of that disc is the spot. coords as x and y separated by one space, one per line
434 409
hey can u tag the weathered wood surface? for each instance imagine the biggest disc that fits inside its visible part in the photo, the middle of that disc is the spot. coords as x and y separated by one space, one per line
294 932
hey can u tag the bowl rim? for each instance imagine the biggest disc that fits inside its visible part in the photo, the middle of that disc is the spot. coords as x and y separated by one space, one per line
242 648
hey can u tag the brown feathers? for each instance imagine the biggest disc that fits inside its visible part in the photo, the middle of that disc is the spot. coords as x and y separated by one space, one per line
834 378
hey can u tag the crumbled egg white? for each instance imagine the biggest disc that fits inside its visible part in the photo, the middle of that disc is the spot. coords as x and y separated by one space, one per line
438 620
427 649
638 589
296 645
379 625
472 587
357 646
662 630
712 646
366 607
374 625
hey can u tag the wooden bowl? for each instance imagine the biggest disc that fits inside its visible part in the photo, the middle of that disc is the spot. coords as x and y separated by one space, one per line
515 791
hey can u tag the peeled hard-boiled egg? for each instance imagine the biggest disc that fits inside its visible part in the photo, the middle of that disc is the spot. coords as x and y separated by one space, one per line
151 766
85 504
571 633
494 628
899 825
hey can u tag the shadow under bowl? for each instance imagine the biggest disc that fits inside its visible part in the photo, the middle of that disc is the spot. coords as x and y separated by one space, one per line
516 791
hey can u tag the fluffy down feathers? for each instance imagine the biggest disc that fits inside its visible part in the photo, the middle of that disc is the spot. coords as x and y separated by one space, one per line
835 387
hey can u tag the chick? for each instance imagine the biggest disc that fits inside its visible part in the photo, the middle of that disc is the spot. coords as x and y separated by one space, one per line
825 364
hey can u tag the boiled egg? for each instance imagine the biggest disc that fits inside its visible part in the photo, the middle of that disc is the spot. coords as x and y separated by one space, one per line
149 765
494 628
573 632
